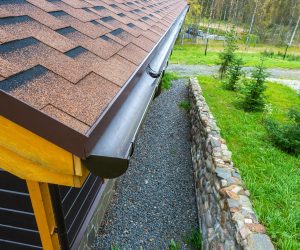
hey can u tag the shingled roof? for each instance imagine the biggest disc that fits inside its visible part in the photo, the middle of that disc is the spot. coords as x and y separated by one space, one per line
69 59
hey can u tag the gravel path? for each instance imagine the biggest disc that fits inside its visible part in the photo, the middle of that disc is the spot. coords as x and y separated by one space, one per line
192 70
289 77
155 199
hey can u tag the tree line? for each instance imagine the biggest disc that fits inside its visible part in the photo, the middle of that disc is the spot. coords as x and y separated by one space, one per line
273 21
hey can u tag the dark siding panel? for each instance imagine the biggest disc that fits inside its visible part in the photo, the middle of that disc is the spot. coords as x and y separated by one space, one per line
18 229
64 191
13 233
8 182
15 200
82 212
17 218
10 245
76 203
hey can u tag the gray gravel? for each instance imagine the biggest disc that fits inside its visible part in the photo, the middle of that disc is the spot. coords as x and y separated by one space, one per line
155 199
288 77
294 84
194 70
185 70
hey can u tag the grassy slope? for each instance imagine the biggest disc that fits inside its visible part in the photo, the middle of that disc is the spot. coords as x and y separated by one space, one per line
272 176
194 54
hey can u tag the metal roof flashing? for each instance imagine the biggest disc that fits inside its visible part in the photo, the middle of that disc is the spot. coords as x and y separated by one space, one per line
109 156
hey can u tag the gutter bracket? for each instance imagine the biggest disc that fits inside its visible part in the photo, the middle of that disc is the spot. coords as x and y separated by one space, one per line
152 73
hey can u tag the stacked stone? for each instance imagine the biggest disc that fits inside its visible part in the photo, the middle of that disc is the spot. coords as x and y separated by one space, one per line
226 216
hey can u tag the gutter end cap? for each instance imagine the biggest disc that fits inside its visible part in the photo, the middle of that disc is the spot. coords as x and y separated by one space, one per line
106 167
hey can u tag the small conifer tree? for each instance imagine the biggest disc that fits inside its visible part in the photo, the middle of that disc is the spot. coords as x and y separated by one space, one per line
227 56
234 74
254 98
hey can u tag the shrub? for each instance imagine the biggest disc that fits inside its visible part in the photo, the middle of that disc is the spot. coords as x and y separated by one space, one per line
252 39
280 55
286 136
268 53
254 98
234 74
292 57
227 56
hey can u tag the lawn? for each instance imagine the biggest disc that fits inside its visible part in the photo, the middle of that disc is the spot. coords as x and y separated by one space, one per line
194 54
272 176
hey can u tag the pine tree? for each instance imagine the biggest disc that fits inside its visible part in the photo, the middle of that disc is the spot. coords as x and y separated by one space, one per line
227 56
254 98
234 74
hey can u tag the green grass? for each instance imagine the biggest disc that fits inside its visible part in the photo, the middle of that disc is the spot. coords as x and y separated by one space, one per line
167 80
272 176
194 54
194 240
174 245
115 247
184 104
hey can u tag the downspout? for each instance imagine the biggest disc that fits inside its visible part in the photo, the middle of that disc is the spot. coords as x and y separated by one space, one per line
110 156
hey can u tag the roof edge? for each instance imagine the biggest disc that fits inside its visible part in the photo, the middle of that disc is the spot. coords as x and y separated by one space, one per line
60 134
33 120
109 158
100 126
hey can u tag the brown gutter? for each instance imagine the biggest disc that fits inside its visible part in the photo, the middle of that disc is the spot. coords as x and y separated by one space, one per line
109 158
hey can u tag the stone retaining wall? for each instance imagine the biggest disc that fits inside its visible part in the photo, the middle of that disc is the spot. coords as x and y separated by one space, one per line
226 216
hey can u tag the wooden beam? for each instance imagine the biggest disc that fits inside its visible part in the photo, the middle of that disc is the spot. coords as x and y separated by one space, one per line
44 215
35 148
79 180
31 157
26 169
